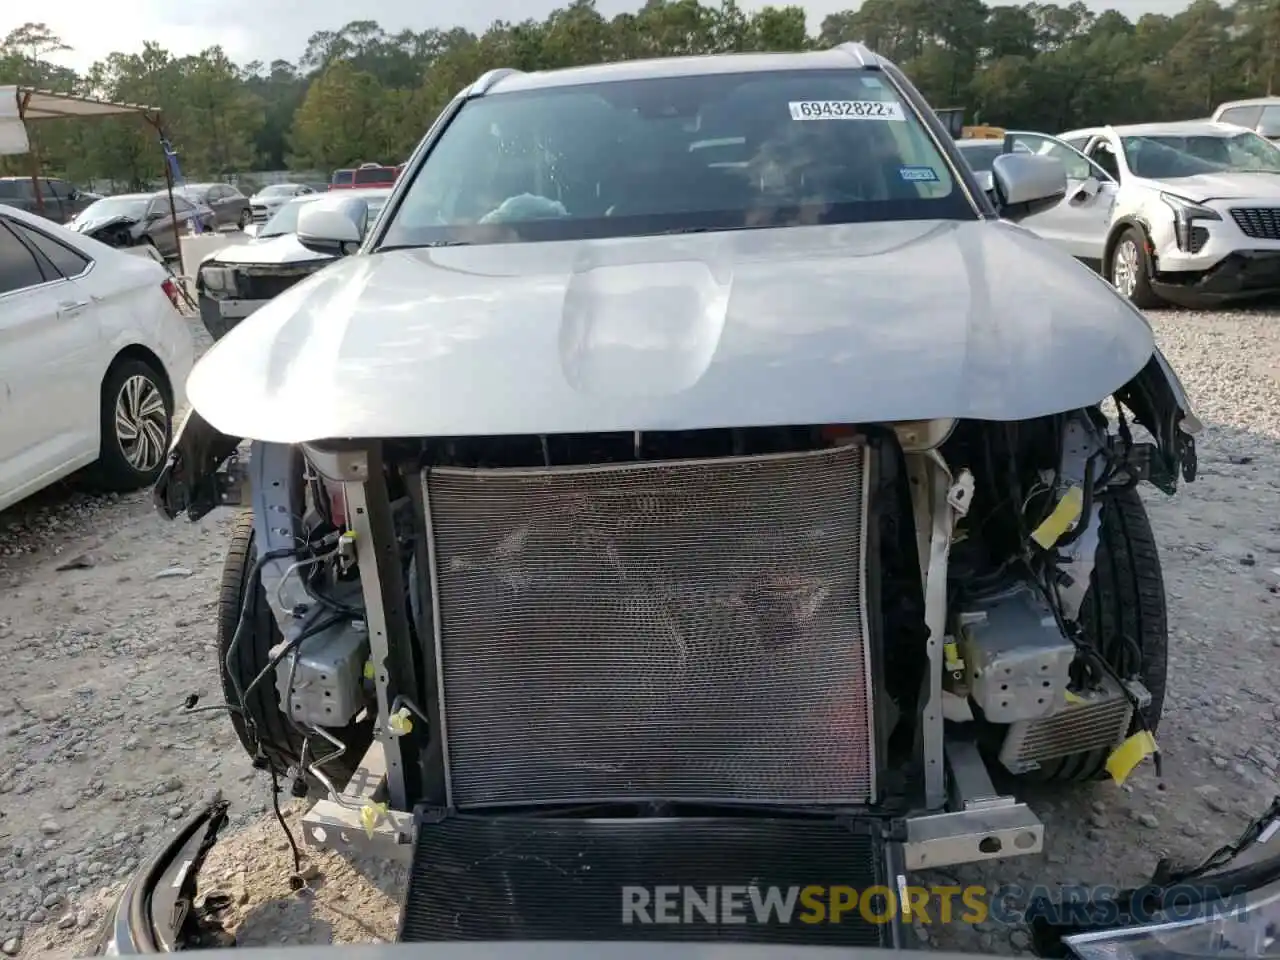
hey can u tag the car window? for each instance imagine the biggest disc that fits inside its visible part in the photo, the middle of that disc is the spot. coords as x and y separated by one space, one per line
1242 116
18 266
342 177
377 175
693 153
980 156
68 262
1076 143
1102 154
8 189
159 207
1169 156
182 205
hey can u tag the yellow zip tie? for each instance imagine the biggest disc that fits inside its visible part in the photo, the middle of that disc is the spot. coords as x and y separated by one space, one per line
1128 755
371 815
1075 698
1057 523
369 671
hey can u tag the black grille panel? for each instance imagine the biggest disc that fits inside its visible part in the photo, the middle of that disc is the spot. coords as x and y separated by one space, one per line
681 630
267 286
541 879
1260 223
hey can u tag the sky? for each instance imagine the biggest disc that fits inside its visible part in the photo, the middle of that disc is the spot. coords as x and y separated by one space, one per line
250 30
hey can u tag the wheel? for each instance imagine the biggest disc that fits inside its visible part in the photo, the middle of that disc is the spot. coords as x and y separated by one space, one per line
136 426
246 218
280 741
1130 271
1125 599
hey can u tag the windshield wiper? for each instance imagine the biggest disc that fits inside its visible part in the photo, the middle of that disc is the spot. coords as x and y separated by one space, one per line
420 246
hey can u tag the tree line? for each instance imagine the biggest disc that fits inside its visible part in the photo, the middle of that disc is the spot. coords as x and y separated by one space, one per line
361 94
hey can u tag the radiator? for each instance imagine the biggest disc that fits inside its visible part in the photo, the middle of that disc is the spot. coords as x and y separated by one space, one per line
687 630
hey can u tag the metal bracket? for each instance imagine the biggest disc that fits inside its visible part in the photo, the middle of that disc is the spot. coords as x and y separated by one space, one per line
335 824
279 502
972 836
970 786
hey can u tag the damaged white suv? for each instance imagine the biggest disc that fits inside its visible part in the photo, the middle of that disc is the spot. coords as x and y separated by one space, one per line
689 475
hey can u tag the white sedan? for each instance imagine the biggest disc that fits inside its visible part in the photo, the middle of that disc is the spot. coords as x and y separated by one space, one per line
94 357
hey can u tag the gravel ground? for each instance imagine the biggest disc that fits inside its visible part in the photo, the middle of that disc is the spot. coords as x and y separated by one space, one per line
106 628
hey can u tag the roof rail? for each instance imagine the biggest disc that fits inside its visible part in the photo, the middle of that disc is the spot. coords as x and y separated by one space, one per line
487 80
862 53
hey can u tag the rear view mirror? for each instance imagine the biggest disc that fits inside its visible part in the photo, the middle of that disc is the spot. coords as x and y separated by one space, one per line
1026 184
334 226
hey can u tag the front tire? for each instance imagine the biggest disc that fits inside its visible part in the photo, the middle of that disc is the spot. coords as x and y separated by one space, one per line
1126 598
1129 270
246 218
136 426
278 739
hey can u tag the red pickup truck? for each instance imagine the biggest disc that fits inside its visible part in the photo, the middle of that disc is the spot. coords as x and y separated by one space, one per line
365 175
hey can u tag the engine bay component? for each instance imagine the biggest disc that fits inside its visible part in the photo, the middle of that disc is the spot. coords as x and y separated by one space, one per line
1017 661
680 629
1095 719
322 679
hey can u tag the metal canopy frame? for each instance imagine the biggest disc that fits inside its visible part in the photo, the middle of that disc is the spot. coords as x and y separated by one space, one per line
34 105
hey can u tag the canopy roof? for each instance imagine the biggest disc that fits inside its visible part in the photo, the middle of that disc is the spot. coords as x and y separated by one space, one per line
46 105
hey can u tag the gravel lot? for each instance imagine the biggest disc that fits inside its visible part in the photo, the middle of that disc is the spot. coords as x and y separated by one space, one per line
106 627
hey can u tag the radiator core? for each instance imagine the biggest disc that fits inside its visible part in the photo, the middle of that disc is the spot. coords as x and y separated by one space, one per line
688 630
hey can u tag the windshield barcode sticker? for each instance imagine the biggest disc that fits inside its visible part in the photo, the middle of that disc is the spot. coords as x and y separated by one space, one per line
918 175
846 110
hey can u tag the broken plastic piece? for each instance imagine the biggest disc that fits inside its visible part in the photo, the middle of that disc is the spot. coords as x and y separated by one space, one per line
1126 757
1063 517
372 814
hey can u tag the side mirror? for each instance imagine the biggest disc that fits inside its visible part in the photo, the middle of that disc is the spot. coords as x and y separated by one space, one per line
1270 129
335 227
1026 184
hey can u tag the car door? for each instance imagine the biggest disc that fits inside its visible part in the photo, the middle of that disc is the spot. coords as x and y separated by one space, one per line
1079 223
48 360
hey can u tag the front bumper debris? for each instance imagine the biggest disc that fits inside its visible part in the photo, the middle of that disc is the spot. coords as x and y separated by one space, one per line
1241 275
156 912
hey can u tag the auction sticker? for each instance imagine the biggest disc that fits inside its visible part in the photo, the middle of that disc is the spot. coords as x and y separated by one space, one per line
918 174
846 110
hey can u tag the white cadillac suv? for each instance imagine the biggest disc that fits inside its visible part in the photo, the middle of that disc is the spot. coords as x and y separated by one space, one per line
1197 217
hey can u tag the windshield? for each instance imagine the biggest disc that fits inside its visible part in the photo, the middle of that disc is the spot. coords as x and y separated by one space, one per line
278 190
134 207
715 152
286 218
1167 157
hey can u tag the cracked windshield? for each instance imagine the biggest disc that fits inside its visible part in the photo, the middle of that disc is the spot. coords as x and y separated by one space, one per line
687 474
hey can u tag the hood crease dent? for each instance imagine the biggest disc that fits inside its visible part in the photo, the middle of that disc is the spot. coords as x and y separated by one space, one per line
873 322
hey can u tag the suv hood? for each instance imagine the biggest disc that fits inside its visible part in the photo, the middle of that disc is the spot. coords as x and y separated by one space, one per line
1224 186
860 322
268 251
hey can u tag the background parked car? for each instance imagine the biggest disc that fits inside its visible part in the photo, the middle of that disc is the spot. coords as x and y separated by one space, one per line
365 175
229 205
93 360
62 200
1262 116
1080 221
133 218
268 200
1197 217
235 281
